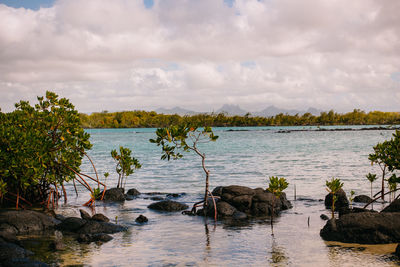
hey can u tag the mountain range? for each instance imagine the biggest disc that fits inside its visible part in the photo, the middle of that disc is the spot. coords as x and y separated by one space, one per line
233 110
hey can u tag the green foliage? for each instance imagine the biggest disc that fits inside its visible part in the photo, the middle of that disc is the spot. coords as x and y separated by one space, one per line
277 185
96 194
333 186
137 119
351 198
371 177
126 164
40 144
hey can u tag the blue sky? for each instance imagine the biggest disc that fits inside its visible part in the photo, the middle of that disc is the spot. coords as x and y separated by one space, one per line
200 55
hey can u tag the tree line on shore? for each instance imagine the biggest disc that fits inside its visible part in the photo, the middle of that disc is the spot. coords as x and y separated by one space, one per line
151 119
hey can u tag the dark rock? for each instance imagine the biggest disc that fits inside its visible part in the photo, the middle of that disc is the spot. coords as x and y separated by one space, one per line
168 205
397 252
238 215
60 217
141 219
217 191
340 202
133 192
88 238
114 194
57 244
157 198
25 221
8 237
71 224
225 209
393 207
129 197
229 192
344 210
324 217
100 218
95 227
12 251
364 228
362 199
85 215
23 262
175 195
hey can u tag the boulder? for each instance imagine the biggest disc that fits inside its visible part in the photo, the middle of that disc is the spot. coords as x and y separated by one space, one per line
23 262
324 217
100 218
85 215
114 194
362 199
88 238
71 224
340 202
141 219
25 221
175 195
10 251
133 192
238 215
168 205
364 228
95 227
344 210
393 207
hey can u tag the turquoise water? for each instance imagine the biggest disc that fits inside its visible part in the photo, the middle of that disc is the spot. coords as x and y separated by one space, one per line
247 157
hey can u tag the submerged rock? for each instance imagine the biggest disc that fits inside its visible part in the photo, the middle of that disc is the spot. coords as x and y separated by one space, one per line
88 238
141 219
100 217
10 251
364 228
168 205
133 192
71 224
96 227
114 194
362 199
340 202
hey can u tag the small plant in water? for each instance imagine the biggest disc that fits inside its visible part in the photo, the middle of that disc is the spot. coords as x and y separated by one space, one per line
126 164
351 198
333 186
392 181
276 186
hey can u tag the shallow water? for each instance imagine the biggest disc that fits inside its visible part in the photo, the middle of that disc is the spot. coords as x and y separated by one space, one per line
305 158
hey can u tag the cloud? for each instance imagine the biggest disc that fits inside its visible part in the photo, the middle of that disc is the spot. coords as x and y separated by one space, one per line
201 54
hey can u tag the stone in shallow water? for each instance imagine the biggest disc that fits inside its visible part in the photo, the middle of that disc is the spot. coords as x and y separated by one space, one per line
133 192
71 224
95 227
100 218
141 219
85 215
168 205
88 238
114 194
362 199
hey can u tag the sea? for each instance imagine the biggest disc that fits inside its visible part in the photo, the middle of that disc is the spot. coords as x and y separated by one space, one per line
306 156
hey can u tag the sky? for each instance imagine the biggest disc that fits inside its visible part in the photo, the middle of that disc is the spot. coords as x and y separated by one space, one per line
143 55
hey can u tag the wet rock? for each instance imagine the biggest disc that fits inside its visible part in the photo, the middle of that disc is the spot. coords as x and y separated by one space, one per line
217 191
238 215
364 228
168 205
324 217
60 217
71 224
85 215
100 218
25 221
340 202
10 251
95 227
133 192
175 195
157 198
344 210
23 262
58 243
232 191
141 219
129 197
114 194
88 238
393 207
362 199
225 209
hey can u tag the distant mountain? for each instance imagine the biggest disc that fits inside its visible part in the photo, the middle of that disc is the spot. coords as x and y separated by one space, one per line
272 111
176 110
232 110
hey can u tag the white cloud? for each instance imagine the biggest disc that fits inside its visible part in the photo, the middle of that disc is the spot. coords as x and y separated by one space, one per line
120 55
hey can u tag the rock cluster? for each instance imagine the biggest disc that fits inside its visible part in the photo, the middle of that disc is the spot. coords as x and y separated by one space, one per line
239 202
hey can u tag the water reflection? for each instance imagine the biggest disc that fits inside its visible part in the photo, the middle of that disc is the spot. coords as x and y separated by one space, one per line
278 254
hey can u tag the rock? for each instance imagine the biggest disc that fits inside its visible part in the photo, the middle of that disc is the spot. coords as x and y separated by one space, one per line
60 217
133 192
88 238
324 217
95 227
141 219
114 194
364 228
100 218
362 199
23 262
157 198
340 202
397 252
175 195
393 207
217 191
85 215
10 251
8 237
71 224
229 192
225 209
168 205
238 215
129 197
57 244
344 210
25 221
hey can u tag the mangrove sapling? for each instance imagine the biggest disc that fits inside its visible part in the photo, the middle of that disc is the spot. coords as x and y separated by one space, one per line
371 178
185 138
333 186
276 186
125 164
392 181
351 198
